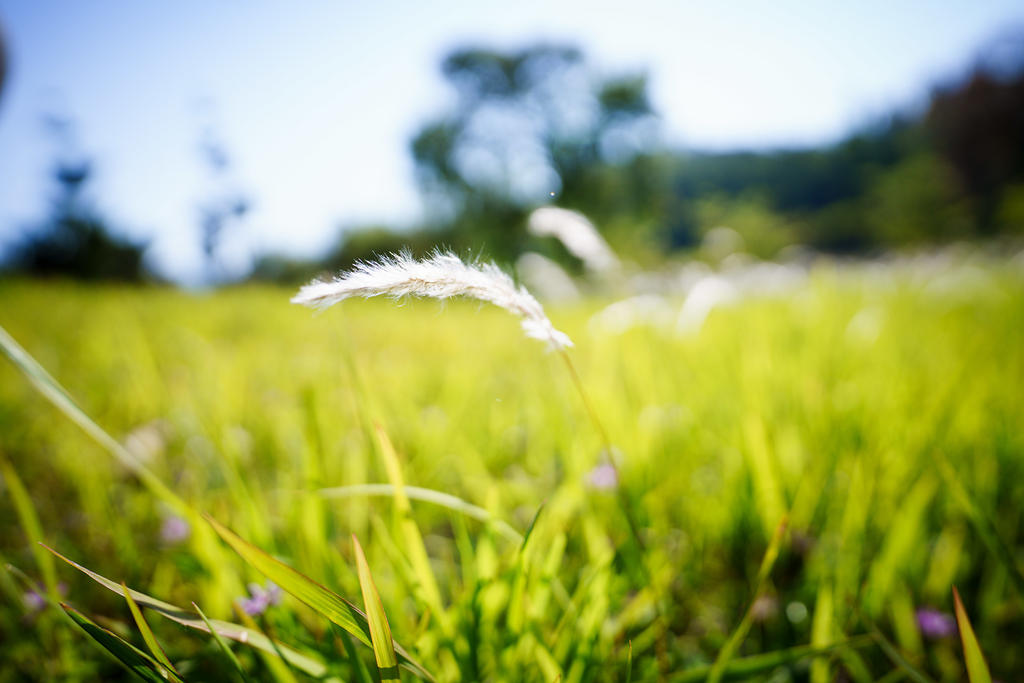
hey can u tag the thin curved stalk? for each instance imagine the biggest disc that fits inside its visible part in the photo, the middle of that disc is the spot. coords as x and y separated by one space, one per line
427 496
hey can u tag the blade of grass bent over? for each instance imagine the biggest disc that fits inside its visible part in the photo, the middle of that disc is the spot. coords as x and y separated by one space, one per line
320 599
136 661
61 399
145 630
427 496
977 668
380 630
241 634
206 547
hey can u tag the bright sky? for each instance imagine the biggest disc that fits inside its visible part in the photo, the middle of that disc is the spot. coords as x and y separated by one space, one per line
316 101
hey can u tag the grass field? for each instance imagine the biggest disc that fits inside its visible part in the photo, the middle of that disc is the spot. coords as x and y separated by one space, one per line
869 420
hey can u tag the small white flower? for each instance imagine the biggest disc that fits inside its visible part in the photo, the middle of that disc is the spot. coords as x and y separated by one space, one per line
546 277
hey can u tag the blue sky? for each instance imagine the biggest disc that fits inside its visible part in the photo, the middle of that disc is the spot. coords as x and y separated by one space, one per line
316 102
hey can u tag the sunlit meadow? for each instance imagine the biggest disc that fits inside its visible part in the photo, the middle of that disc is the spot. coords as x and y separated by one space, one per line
801 476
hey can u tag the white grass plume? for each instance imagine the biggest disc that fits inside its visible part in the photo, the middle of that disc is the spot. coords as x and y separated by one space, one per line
577 233
546 277
442 275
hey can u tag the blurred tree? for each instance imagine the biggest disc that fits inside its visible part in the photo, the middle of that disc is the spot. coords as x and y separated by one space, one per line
528 125
75 241
225 206
284 269
916 201
815 196
534 125
763 232
979 128
1009 216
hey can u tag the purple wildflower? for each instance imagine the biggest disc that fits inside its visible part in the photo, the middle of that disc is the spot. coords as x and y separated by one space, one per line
935 624
35 599
260 598
274 593
174 530
603 477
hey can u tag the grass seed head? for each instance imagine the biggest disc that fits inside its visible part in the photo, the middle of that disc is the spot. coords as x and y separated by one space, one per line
442 275
577 234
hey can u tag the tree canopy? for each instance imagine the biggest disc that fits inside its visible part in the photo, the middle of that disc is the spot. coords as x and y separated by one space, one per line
527 125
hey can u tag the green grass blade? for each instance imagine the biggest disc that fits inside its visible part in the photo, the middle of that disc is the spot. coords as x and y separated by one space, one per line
737 636
28 584
977 667
61 399
9 583
517 599
415 550
235 664
425 495
137 662
334 607
326 602
145 630
982 523
896 657
904 622
28 518
529 529
629 662
821 631
304 662
29 521
380 631
320 599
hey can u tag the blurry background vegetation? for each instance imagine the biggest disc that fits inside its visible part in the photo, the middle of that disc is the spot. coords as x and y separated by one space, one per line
535 126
